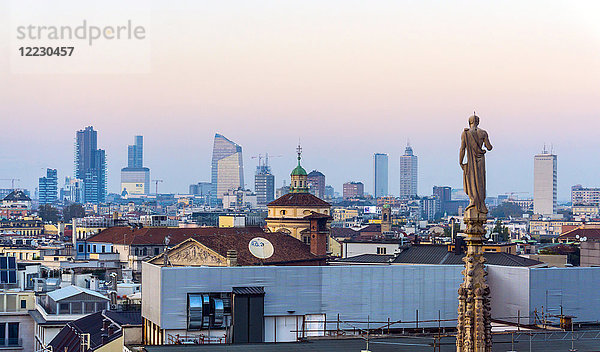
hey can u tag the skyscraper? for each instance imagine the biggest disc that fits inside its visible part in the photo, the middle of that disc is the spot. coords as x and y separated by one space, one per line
135 153
316 183
380 175
90 165
227 167
264 182
408 173
135 178
544 183
48 187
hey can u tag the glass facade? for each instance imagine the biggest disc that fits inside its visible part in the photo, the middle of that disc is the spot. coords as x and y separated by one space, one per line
90 165
408 173
227 166
380 169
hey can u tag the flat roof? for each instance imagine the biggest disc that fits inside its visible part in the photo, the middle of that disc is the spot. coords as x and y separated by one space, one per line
394 344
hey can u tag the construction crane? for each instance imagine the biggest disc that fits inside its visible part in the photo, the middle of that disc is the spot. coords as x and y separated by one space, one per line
266 158
156 182
12 181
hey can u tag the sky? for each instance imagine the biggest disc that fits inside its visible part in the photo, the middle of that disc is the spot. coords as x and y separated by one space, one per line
346 78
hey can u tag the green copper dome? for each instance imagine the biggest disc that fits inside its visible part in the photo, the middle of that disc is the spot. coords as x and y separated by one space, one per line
299 171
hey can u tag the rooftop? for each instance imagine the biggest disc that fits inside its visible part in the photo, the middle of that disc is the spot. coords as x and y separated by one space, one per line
299 200
17 196
435 254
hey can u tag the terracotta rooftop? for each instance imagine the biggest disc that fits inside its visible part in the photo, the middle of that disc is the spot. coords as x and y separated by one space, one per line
299 200
591 233
287 249
156 235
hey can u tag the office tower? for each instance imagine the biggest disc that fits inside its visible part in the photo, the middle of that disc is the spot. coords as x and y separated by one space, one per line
329 192
227 167
408 173
73 190
90 165
380 171
264 182
544 183
135 153
353 190
316 183
135 178
48 187
444 195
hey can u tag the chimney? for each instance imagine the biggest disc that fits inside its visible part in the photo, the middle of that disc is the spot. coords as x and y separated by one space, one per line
104 338
318 236
111 330
232 257
105 324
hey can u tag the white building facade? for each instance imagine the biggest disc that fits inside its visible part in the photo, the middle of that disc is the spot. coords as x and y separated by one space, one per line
544 184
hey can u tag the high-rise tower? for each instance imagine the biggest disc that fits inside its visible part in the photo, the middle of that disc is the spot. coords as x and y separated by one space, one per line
90 165
380 175
408 173
48 187
544 183
227 167
135 178
264 182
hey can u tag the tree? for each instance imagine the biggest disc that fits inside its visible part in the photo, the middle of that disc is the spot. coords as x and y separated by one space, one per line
48 213
506 210
501 230
73 211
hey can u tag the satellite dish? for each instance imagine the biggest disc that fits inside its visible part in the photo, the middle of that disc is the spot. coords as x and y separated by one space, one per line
261 248
577 236
584 239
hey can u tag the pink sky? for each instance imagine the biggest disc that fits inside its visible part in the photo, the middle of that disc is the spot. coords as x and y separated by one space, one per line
349 78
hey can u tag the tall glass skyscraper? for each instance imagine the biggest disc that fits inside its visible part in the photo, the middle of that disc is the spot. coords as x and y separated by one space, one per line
135 178
380 174
135 153
408 173
48 187
264 183
90 165
227 167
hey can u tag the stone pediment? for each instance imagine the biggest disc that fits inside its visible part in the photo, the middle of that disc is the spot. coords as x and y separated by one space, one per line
191 253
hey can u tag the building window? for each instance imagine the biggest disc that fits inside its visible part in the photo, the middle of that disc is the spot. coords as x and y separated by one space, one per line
156 251
94 248
145 251
80 248
13 334
23 304
103 249
381 250
137 251
282 212
63 308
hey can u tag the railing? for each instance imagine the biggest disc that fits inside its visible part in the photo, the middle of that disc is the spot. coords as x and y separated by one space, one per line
11 342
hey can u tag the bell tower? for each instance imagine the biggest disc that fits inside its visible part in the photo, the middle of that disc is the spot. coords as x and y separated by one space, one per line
386 219
299 176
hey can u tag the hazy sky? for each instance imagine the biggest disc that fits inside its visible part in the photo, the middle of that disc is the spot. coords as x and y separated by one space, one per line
349 78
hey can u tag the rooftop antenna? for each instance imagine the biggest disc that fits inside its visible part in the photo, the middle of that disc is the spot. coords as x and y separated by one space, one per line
544 150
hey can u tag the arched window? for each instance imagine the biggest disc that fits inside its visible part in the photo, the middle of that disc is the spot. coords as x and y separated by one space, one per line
282 212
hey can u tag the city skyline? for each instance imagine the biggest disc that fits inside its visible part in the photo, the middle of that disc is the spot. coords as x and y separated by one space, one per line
531 73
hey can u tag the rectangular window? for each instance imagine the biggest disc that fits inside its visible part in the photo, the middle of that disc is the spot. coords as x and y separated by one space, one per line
94 246
381 250
63 308
156 251
76 307
103 248
23 304
2 334
13 334
90 307
80 250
